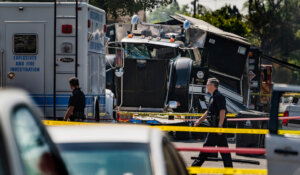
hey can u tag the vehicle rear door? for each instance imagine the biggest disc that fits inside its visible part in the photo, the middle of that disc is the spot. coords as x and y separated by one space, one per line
24 56
283 151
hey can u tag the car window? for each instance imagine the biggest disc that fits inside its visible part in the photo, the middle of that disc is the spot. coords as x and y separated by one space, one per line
107 158
295 100
136 51
35 152
149 51
25 44
289 111
173 162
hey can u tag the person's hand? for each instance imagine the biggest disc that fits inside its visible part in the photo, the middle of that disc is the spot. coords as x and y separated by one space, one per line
197 123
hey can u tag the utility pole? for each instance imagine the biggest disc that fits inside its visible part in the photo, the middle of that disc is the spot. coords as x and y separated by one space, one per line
195 8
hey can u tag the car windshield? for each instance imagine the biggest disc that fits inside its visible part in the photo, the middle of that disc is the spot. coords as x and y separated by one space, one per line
107 158
149 51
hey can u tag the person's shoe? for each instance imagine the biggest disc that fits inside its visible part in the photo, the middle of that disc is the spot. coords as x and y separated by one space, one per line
196 163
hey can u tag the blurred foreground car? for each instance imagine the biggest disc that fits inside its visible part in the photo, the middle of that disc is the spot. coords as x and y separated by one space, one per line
117 150
25 146
283 151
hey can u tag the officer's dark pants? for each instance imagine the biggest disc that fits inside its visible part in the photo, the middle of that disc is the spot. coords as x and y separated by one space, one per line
214 139
77 119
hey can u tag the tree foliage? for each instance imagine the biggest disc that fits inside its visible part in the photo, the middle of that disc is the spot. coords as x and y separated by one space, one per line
277 24
226 18
127 7
163 13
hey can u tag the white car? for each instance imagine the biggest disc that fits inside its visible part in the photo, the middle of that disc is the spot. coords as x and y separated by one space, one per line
117 150
283 151
25 146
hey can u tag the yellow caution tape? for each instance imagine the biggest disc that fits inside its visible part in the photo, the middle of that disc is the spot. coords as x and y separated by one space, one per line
259 94
185 128
64 123
170 114
282 132
200 170
100 114
230 115
291 94
212 130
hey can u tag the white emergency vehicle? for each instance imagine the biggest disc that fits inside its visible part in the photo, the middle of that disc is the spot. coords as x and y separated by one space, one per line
41 48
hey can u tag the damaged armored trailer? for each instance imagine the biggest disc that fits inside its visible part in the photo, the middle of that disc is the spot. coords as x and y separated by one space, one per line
160 71
227 56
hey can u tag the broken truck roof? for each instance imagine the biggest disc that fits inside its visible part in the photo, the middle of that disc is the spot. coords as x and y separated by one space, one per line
202 25
154 41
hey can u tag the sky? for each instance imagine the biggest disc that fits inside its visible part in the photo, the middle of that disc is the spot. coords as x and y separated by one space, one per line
216 4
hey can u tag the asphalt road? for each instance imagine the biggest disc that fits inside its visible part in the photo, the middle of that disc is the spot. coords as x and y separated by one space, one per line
195 144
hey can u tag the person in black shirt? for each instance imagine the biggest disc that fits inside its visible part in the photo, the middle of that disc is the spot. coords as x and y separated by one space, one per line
216 115
76 102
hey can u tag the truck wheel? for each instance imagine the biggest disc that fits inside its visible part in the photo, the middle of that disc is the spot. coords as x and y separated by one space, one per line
97 110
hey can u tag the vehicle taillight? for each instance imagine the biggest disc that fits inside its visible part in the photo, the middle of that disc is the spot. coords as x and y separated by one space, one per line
89 23
285 114
67 29
118 116
105 28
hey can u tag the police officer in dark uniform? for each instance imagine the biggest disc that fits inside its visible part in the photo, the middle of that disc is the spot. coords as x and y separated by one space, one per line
76 102
216 115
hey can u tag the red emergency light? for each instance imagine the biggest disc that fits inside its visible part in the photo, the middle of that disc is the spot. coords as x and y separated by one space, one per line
105 28
89 23
66 29
285 122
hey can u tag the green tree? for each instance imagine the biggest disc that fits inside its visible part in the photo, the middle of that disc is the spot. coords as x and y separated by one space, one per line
202 10
163 13
277 24
226 18
185 10
127 7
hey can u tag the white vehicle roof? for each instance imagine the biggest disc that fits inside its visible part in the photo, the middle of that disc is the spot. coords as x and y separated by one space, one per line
285 87
102 133
162 42
11 97
115 133
47 4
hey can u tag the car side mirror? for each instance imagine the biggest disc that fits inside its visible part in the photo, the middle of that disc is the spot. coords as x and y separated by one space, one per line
186 24
134 19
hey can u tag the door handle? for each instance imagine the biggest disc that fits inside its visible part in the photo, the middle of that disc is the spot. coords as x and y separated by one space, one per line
286 152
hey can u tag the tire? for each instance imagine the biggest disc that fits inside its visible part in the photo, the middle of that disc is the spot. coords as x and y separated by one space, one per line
97 110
